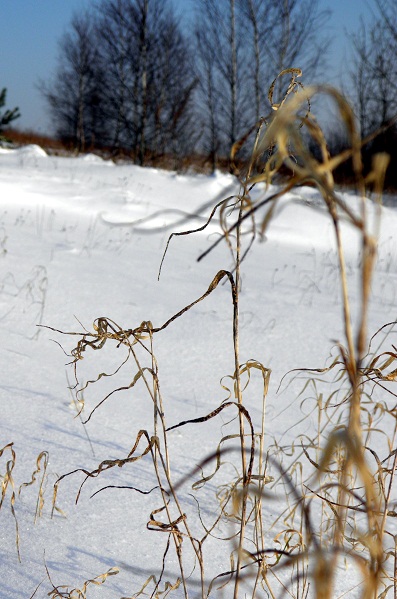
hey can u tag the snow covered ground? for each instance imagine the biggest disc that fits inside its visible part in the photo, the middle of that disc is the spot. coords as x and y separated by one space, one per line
81 238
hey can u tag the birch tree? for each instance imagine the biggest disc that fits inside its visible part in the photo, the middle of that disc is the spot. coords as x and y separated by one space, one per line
219 38
250 42
125 80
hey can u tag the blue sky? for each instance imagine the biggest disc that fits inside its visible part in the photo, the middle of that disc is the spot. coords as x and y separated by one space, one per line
30 30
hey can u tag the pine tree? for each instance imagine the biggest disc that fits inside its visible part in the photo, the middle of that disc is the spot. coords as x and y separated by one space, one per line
9 115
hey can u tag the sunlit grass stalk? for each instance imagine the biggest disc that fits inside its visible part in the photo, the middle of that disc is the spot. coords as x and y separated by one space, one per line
238 394
156 455
340 442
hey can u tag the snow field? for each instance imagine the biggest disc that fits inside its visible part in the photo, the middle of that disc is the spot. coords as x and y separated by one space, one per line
81 238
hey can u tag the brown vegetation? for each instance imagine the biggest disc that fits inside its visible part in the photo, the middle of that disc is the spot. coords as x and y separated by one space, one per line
337 481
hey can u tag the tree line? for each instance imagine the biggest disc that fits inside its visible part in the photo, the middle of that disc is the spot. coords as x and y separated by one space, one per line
132 76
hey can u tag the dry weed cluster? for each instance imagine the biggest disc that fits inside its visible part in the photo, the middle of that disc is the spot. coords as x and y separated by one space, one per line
334 493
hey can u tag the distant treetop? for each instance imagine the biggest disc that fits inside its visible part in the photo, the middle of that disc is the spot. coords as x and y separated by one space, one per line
9 115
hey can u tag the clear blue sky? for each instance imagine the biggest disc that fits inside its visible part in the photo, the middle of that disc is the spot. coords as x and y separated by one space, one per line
30 30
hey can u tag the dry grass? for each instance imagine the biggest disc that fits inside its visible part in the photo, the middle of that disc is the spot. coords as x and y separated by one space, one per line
9 496
337 490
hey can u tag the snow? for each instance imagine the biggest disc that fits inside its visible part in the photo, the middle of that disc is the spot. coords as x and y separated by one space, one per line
82 238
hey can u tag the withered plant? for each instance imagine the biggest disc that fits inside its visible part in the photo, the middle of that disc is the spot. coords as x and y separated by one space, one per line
337 498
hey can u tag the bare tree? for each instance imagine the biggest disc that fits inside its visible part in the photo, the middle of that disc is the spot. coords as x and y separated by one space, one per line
250 42
113 29
260 17
149 81
172 99
374 76
207 95
141 11
281 35
125 80
74 94
129 43
373 81
387 10
222 67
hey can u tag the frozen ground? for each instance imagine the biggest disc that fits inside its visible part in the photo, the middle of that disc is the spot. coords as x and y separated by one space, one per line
81 238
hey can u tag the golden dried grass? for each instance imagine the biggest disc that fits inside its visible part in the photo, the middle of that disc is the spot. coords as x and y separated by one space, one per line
330 472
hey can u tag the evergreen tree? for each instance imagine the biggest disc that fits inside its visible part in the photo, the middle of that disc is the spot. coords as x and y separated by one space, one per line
9 115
